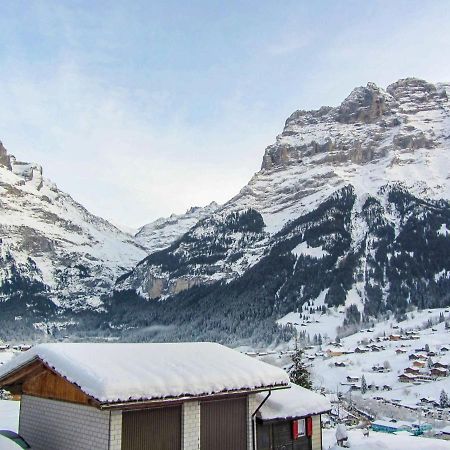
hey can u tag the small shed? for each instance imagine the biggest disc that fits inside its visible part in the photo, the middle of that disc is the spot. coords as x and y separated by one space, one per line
190 396
291 419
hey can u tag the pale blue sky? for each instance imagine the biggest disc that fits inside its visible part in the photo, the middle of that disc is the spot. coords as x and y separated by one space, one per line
139 109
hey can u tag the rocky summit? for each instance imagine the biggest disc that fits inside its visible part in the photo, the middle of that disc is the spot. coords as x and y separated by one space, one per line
350 209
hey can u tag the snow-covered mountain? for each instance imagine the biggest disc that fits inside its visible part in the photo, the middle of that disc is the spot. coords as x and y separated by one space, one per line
53 246
55 253
164 231
374 138
350 207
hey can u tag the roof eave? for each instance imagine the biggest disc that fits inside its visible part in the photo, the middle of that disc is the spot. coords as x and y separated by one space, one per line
147 403
289 418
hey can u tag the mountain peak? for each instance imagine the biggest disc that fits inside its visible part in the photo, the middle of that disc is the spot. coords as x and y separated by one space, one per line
335 130
364 104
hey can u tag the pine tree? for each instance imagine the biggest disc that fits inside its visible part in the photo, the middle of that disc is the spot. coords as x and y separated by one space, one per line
363 384
299 373
443 400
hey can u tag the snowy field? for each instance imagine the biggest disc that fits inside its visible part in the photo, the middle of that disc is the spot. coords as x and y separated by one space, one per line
9 410
9 415
384 441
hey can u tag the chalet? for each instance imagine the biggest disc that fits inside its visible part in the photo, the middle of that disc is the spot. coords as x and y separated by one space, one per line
445 349
438 372
380 369
340 364
415 356
425 378
290 418
440 365
412 370
377 348
352 379
420 364
155 396
395 337
333 353
400 351
361 350
428 401
406 378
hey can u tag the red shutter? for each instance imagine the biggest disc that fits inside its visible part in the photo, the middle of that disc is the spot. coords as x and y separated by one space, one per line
294 429
309 426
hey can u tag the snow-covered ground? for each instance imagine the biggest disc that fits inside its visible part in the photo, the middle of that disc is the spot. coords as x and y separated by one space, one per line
9 410
316 323
326 374
384 441
9 415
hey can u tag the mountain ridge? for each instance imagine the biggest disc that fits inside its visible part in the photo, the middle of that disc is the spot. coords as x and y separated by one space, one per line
350 208
375 137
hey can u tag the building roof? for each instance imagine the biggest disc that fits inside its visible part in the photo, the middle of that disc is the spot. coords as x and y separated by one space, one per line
117 372
386 424
291 403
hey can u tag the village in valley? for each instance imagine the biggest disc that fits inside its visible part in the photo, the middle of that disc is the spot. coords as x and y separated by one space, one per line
387 383
390 377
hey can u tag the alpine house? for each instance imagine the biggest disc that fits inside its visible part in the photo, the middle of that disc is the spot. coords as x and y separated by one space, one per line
190 396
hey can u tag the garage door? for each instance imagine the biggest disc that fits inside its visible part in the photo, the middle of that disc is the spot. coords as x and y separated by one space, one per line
223 424
152 429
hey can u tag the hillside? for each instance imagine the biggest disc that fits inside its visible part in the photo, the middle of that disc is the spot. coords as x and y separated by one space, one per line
350 207
53 252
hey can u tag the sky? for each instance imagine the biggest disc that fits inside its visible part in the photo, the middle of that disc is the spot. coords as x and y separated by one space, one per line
146 108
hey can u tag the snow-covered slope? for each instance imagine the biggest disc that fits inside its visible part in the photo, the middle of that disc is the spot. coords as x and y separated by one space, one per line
163 232
51 245
371 154
350 207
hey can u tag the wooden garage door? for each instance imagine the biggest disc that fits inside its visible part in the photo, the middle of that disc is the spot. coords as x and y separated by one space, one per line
152 429
223 424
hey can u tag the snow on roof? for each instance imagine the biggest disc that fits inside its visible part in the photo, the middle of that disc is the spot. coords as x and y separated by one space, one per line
294 402
126 372
385 423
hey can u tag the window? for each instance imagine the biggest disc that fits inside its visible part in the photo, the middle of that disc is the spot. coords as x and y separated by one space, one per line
298 428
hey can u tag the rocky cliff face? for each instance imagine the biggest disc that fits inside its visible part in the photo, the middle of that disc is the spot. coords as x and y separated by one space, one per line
374 140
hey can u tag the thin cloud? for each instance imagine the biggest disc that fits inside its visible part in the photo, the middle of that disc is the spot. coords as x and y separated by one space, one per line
289 44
